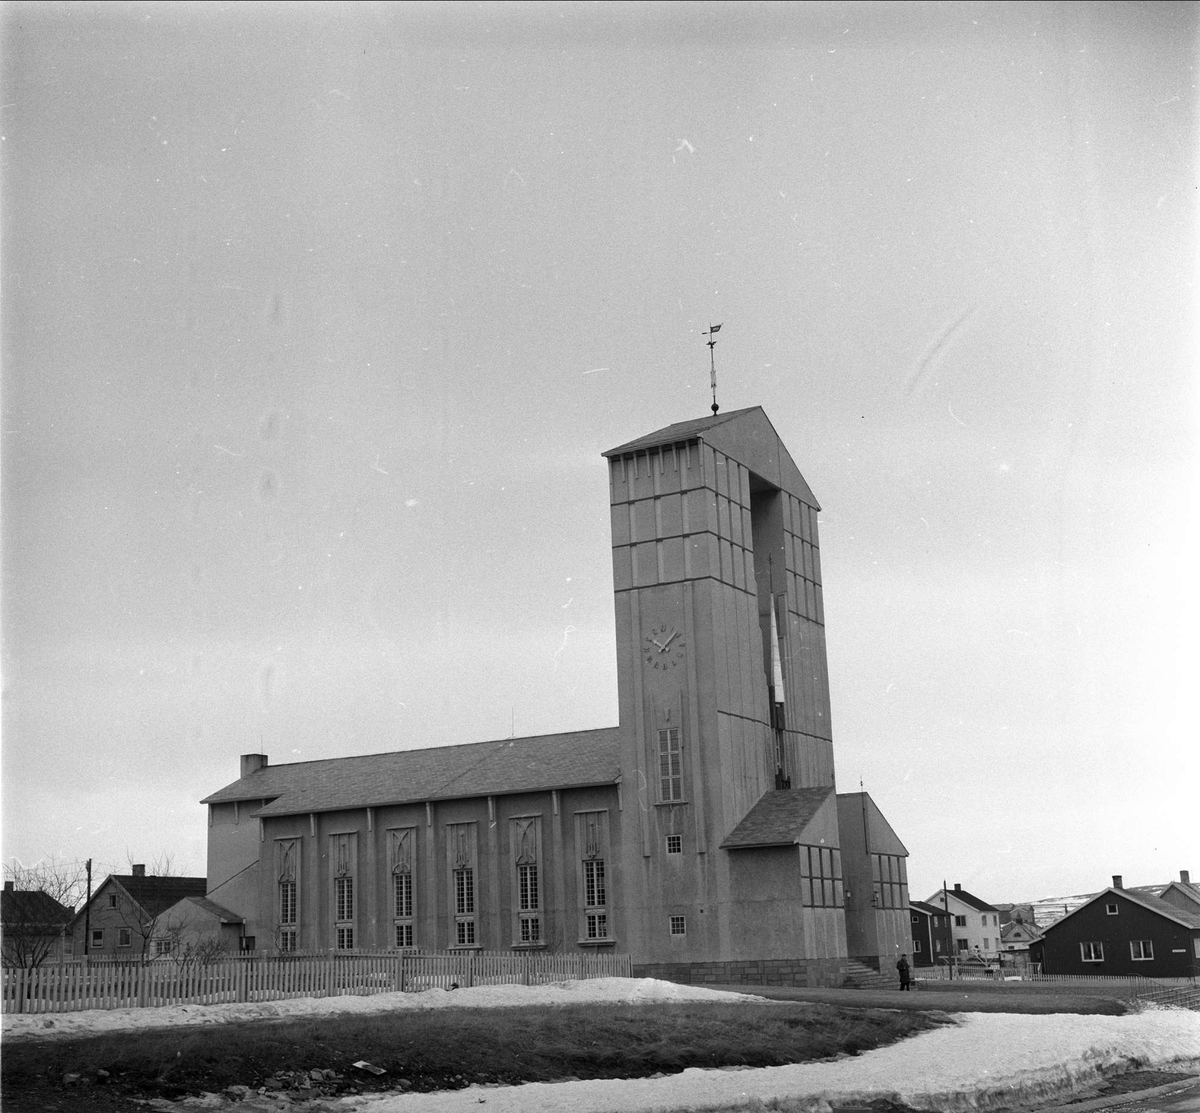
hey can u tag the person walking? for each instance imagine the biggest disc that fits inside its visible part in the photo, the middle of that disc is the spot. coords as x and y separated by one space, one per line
903 969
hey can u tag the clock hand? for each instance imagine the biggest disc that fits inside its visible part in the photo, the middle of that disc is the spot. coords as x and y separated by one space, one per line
663 647
659 644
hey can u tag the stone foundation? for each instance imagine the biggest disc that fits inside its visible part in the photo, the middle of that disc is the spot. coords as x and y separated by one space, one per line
800 973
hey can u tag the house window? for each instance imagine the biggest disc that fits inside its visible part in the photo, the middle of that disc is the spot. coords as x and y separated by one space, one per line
1111 910
674 844
97 938
960 921
916 946
162 948
987 943
464 933
820 876
287 939
670 765
112 900
937 946
679 925
984 919
1141 950
124 937
916 919
1091 952
962 944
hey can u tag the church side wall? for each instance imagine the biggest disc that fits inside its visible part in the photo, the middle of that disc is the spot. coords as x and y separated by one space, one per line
233 870
550 834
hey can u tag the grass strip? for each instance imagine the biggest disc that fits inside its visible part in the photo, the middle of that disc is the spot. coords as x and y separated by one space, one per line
453 1048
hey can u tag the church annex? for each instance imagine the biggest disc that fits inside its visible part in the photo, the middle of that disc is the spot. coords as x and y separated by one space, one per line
703 836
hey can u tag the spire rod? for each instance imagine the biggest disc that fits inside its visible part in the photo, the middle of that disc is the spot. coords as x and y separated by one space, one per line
712 330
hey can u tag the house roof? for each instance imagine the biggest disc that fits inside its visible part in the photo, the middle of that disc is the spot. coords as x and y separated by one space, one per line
578 759
969 899
927 909
213 909
778 819
1021 929
30 907
154 894
1187 889
1151 903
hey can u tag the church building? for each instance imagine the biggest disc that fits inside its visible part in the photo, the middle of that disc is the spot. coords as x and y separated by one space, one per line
704 835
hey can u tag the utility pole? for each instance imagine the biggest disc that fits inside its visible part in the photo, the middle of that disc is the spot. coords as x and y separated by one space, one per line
87 912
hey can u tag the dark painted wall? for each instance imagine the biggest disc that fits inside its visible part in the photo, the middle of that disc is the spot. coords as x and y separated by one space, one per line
1174 945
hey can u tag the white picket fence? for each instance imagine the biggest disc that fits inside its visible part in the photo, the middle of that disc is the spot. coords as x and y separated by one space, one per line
74 986
1116 981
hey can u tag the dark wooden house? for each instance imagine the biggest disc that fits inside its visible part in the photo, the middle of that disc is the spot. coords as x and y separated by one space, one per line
1121 933
930 933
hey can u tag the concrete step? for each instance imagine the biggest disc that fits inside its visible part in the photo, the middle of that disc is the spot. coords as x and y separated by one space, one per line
861 976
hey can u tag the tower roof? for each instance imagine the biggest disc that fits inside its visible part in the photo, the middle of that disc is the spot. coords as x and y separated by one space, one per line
746 436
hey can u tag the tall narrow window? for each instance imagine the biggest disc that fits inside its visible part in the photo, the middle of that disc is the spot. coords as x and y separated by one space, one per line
595 899
461 852
821 876
400 861
344 856
287 929
670 764
526 836
344 897
592 832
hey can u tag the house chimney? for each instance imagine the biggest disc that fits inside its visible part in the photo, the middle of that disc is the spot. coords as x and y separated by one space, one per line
1117 881
8 886
252 763
139 870
957 887
1185 877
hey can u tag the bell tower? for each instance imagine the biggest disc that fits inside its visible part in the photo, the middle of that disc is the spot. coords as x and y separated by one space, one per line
722 678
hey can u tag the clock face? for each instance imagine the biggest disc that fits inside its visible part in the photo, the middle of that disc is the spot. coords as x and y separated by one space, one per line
664 646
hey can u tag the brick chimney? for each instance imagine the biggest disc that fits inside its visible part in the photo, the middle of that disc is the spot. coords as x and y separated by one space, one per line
1185 877
139 870
8 886
957 887
252 763
1117 881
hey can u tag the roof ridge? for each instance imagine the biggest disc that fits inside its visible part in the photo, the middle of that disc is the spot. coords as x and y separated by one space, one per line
444 746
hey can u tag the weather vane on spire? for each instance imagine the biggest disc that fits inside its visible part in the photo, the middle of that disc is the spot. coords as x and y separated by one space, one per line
712 331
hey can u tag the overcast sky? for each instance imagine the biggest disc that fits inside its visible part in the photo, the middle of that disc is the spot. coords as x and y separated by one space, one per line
316 320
